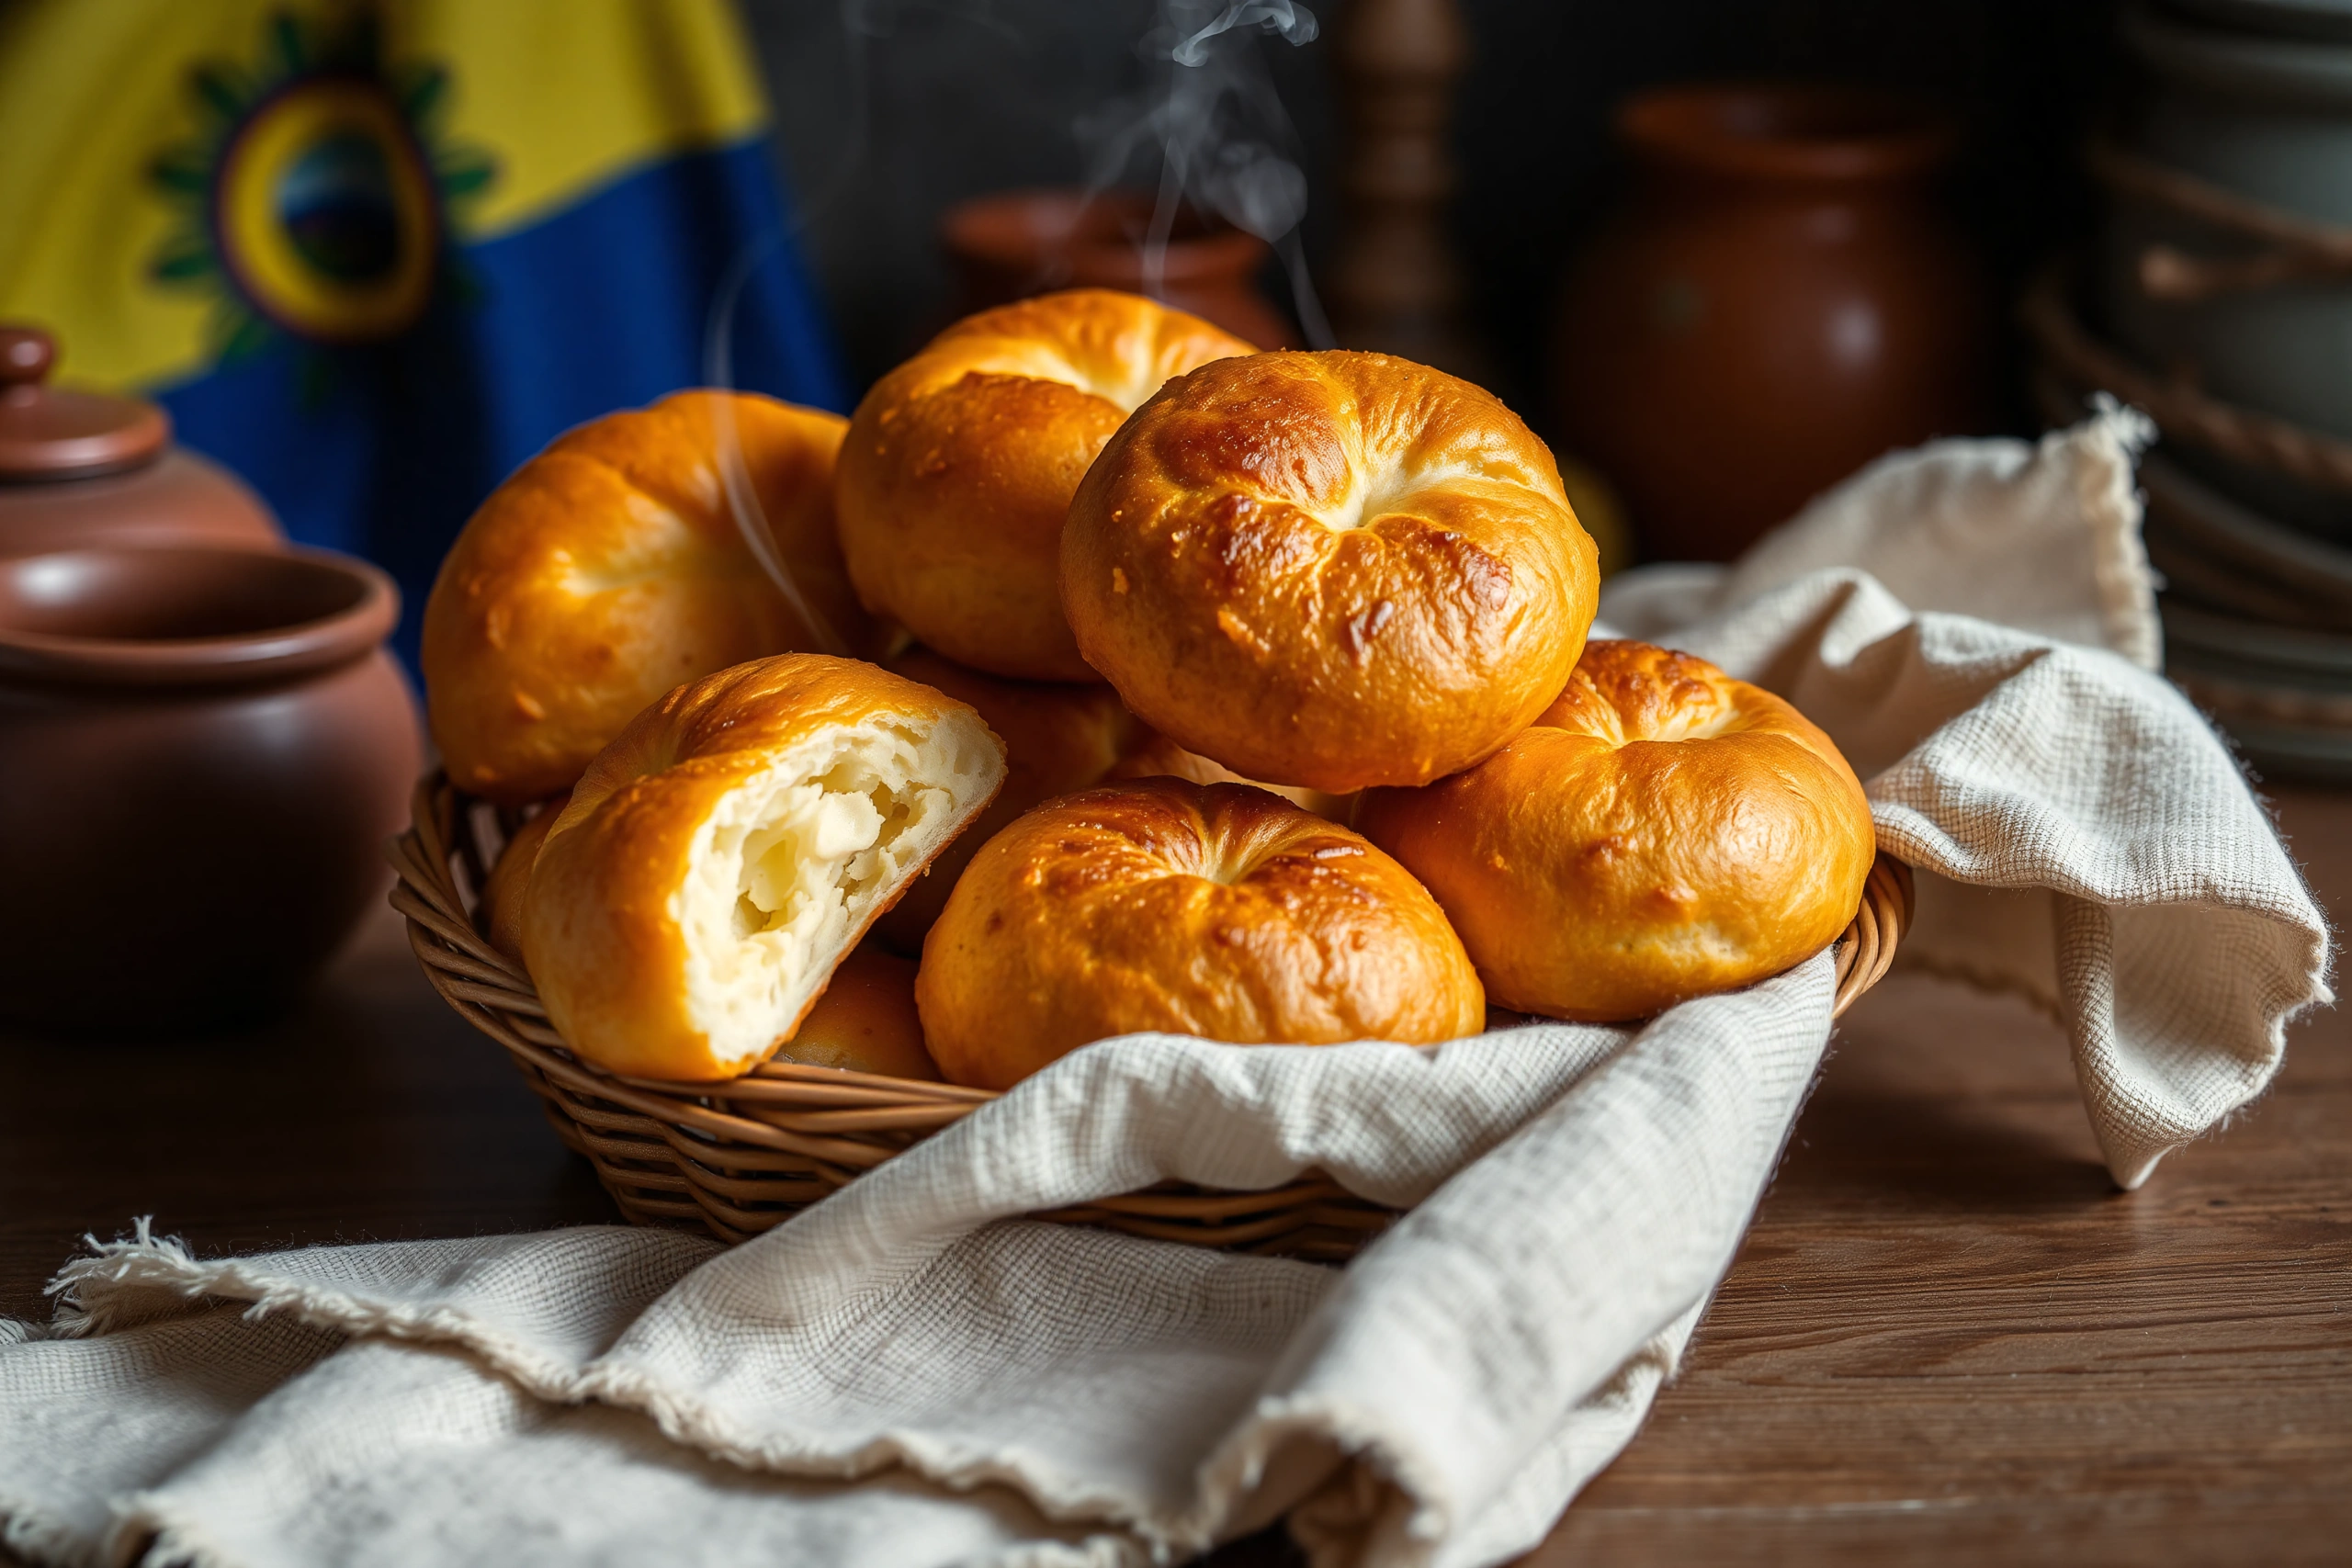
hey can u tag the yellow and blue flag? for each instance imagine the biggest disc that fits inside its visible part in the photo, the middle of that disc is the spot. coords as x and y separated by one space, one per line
374 255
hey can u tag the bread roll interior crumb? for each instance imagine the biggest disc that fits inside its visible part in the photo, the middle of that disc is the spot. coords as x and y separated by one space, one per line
790 865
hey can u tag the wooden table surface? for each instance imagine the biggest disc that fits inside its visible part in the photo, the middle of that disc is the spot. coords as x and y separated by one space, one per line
1947 1340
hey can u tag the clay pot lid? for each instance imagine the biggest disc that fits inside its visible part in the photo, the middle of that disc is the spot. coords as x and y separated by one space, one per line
48 433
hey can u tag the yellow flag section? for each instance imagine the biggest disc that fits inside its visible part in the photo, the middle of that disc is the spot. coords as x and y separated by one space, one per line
151 142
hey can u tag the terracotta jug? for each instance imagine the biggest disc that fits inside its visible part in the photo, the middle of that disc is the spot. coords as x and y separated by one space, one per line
1781 302
1016 243
80 469
201 751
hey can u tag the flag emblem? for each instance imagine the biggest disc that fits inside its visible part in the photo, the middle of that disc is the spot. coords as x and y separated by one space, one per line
316 197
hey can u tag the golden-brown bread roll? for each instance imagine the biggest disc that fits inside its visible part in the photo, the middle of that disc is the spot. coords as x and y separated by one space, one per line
1159 757
1329 570
1662 832
960 464
1058 737
866 1021
610 568
719 858
1220 911
501 893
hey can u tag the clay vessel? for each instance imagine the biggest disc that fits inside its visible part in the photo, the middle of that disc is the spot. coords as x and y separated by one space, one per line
201 751
82 468
1781 302
1016 243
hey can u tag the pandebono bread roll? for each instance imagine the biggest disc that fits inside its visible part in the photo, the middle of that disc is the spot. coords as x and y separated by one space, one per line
1331 569
610 568
866 1021
960 463
1662 832
1220 911
1058 737
719 858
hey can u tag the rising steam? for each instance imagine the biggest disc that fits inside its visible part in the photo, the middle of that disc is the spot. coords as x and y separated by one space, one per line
1225 141
734 472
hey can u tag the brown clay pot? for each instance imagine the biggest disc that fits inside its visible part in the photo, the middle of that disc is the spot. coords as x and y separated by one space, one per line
82 469
201 751
1016 243
1781 301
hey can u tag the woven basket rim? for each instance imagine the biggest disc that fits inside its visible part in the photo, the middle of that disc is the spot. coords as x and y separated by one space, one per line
697 1152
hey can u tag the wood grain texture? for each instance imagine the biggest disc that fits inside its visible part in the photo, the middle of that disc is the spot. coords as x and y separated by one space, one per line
1947 1340
372 1114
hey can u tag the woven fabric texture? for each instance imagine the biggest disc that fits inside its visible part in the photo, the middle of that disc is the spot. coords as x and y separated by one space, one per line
908 1374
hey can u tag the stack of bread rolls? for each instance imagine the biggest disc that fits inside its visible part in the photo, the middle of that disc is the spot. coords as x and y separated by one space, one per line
1233 694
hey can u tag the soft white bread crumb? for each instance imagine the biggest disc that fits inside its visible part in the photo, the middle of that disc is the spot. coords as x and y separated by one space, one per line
791 866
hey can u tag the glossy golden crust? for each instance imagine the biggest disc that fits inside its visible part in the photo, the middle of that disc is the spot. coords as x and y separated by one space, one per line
1159 757
1662 832
865 1020
1224 912
960 465
1058 737
501 893
604 934
1330 570
609 567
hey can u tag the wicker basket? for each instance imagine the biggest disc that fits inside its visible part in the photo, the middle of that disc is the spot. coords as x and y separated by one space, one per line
733 1159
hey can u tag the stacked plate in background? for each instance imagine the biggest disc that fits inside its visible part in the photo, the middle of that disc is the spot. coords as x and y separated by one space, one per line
2257 623
2220 302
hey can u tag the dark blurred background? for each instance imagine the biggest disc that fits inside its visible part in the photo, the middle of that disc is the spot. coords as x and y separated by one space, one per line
1839 228
887 112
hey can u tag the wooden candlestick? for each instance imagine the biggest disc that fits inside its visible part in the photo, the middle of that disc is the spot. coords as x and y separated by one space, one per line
1397 284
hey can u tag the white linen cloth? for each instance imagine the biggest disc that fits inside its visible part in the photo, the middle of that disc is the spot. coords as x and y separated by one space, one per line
1012 1392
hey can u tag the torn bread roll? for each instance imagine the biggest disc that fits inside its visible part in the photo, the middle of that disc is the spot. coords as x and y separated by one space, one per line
719 858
